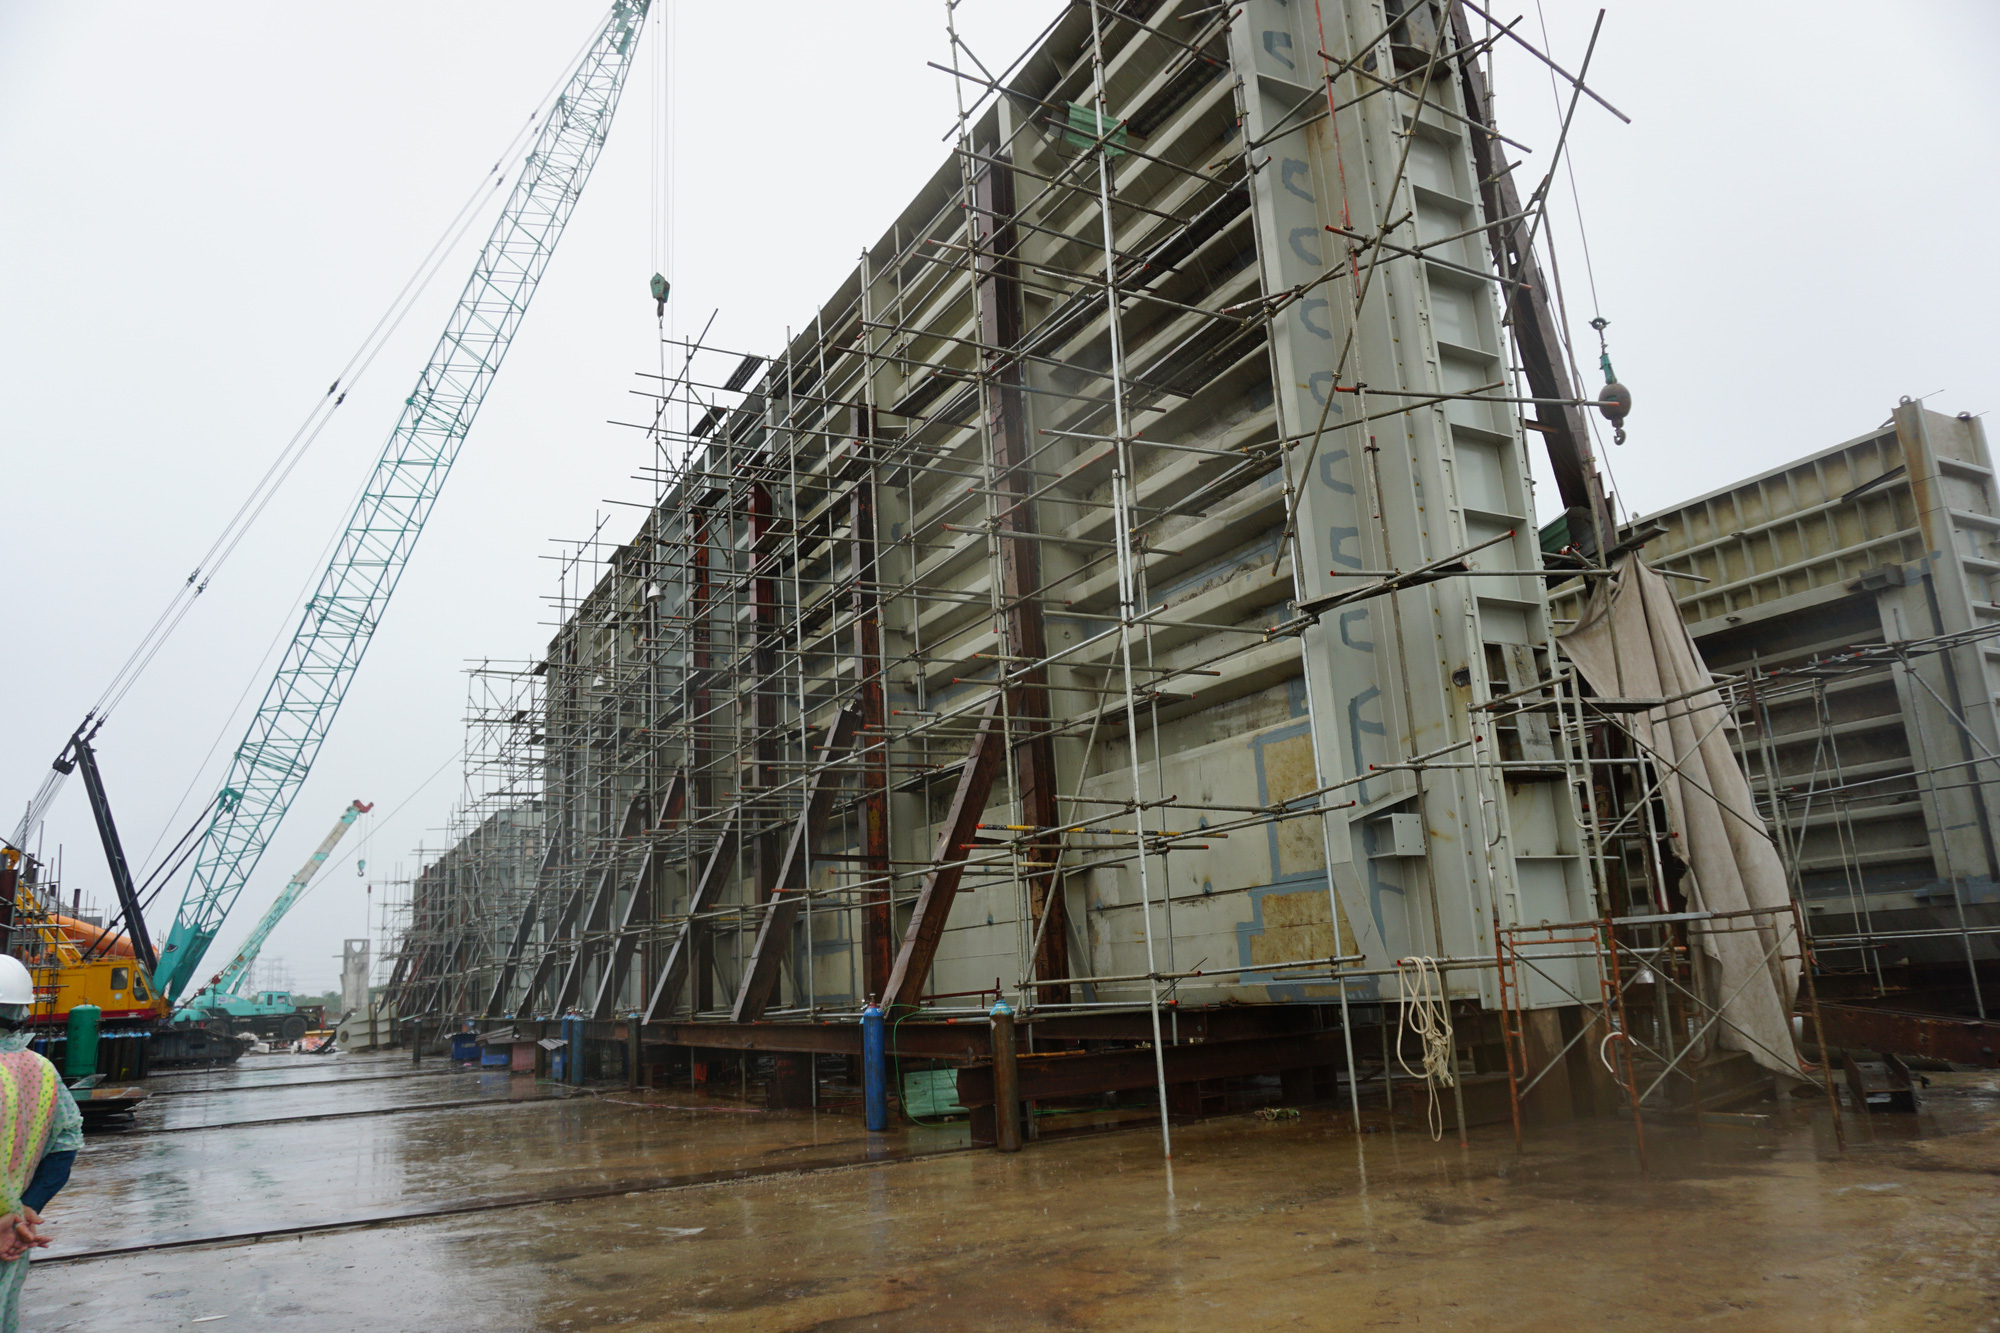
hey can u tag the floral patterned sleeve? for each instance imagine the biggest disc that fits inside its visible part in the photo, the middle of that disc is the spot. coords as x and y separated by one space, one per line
67 1135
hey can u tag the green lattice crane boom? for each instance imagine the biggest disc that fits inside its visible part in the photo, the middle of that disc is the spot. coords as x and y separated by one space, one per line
229 981
340 618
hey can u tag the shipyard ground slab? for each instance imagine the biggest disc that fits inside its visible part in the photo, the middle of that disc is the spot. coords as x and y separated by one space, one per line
448 1201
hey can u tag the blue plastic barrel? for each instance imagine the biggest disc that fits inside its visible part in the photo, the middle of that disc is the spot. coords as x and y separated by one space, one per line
572 1030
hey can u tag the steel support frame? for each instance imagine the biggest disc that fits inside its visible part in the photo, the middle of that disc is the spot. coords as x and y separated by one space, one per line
793 879
954 848
1967 1041
575 918
639 904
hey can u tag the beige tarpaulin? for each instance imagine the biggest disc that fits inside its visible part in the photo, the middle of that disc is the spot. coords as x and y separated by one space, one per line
1630 642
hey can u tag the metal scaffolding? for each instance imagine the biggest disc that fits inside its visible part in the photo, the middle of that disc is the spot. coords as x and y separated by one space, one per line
1122 598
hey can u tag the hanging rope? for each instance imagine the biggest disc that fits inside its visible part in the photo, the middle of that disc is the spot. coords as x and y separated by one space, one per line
1420 995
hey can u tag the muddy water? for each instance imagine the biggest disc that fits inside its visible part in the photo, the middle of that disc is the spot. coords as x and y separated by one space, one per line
1284 1225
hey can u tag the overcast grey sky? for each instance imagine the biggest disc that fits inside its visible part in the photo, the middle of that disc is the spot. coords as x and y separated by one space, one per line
208 205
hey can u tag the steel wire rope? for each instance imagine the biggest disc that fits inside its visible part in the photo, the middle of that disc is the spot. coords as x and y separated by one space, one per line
309 430
1569 167
177 851
1547 238
284 622
103 940
413 289
176 857
331 865
238 525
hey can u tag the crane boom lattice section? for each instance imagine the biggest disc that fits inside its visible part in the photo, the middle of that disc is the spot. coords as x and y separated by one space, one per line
340 618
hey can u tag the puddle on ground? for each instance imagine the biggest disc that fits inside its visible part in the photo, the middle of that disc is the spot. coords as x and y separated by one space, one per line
1258 1225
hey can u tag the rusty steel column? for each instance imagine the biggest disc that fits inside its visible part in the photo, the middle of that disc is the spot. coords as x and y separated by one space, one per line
791 1084
764 685
995 241
1006 1082
701 754
878 926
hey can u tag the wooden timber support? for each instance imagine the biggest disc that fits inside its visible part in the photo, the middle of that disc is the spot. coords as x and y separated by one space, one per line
586 921
681 956
999 290
639 905
788 895
954 847
1563 429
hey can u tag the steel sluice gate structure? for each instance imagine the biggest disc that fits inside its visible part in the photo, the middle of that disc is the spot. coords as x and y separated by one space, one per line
1099 603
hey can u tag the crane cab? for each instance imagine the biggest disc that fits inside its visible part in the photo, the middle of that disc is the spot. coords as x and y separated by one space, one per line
118 986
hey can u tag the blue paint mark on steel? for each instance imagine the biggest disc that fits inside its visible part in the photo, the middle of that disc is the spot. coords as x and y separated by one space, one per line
1306 309
1293 167
1257 744
1377 886
1357 727
1240 558
1326 462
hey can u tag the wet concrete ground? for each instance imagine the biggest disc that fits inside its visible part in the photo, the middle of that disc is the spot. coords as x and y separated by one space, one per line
1260 1225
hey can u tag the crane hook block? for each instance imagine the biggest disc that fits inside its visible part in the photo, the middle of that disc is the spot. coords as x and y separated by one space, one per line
1615 402
660 289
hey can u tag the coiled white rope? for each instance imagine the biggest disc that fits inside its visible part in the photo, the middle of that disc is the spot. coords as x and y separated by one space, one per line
1420 994
1604 1059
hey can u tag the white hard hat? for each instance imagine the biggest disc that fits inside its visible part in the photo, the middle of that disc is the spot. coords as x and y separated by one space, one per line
16 986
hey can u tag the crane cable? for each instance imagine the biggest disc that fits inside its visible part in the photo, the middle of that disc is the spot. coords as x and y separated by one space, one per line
287 460
442 250
325 872
177 856
419 281
316 420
